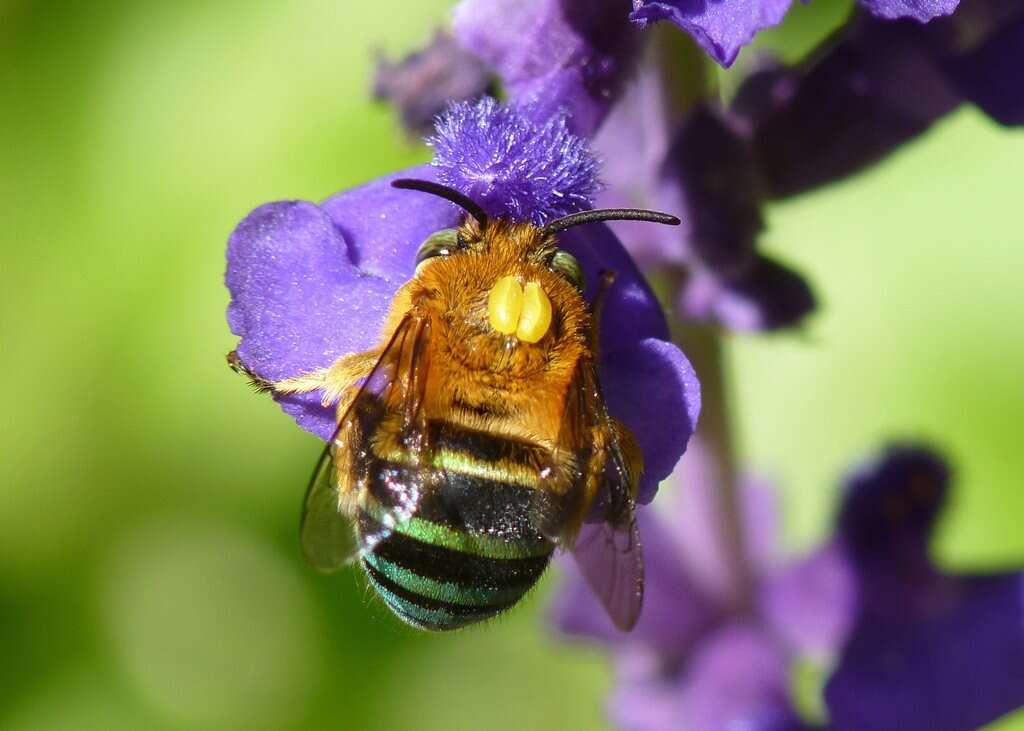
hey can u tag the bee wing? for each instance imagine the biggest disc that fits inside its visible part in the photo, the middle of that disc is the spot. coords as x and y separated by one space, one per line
608 552
325 533
393 389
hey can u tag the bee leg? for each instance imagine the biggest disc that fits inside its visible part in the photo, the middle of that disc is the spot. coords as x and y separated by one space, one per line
607 279
260 384
631 453
333 380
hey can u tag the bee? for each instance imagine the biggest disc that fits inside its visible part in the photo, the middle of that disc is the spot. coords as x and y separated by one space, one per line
474 439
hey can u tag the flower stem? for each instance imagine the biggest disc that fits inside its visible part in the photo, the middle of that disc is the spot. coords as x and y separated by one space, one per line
710 461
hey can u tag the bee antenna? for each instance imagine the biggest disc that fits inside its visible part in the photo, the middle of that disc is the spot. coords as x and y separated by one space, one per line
610 214
443 191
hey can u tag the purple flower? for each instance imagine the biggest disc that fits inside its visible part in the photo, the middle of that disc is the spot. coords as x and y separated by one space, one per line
720 27
311 282
554 54
705 169
503 159
919 10
930 649
423 83
693 661
880 86
723 27
917 647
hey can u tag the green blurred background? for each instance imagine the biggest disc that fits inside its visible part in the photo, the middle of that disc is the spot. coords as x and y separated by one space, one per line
149 573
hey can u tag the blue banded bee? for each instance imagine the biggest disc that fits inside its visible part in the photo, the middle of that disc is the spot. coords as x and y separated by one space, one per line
474 439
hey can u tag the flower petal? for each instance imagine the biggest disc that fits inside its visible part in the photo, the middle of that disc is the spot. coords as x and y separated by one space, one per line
711 170
957 668
384 226
720 27
631 310
768 296
876 89
423 83
920 10
989 75
653 389
811 603
295 293
736 679
298 299
553 54
675 611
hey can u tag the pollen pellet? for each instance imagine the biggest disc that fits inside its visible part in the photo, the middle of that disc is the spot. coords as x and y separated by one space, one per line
505 304
535 318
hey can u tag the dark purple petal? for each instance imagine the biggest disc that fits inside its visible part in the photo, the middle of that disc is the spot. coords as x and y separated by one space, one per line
632 144
955 668
738 678
512 165
554 54
871 92
713 170
720 27
990 74
889 510
675 611
768 296
920 10
384 226
423 83
811 603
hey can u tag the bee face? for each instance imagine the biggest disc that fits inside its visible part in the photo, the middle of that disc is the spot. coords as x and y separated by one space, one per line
506 289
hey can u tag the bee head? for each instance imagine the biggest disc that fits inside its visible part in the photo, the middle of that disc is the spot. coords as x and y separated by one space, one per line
528 265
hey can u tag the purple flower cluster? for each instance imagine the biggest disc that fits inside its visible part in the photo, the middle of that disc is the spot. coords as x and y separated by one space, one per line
592 115
914 647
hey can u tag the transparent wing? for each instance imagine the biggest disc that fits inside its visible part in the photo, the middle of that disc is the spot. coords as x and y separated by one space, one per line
327 538
607 548
389 402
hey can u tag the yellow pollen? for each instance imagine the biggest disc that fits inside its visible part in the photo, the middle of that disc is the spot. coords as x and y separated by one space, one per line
536 315
505 304
523 311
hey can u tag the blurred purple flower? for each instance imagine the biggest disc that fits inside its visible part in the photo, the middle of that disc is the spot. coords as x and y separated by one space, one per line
694 662
930 650
881 85
704 169
423 83
918 648
554 54
311 282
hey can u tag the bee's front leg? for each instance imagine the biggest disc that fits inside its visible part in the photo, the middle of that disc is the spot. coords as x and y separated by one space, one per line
333 381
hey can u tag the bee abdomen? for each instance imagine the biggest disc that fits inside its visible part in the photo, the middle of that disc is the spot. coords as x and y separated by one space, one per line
438 588
472 546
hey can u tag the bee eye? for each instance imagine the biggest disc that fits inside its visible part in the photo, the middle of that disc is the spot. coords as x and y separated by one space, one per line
567 265
439 243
